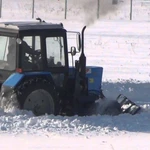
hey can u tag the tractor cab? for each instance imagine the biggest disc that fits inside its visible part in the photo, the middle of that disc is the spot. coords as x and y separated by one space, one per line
32 47
35 47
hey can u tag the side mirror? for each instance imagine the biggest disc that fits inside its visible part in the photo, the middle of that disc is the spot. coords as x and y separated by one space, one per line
19 41
73 51
78 39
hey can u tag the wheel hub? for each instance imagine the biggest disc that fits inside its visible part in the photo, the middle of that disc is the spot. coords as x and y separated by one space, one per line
40 102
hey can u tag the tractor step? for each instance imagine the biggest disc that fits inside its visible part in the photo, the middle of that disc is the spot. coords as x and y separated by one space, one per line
127 105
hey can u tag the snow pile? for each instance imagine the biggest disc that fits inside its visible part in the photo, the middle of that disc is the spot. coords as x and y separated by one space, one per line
26 123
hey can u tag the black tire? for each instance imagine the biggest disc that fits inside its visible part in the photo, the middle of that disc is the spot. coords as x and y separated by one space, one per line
38 95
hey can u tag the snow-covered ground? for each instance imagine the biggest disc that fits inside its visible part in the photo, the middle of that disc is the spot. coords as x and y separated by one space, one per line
123 49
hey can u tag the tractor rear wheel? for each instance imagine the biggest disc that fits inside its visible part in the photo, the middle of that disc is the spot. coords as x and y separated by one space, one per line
38 96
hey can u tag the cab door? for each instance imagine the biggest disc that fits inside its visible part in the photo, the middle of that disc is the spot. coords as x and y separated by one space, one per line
56 54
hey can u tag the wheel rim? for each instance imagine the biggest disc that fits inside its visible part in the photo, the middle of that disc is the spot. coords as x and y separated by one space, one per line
40 102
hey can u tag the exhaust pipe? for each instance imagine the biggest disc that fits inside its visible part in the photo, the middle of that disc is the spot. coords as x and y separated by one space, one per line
82 59
83 38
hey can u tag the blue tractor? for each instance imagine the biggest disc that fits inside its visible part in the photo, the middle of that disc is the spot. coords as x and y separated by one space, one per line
35 74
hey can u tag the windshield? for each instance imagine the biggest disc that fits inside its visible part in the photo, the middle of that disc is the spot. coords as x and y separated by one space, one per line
7 53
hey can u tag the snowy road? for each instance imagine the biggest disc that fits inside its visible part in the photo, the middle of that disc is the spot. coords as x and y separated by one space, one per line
120 142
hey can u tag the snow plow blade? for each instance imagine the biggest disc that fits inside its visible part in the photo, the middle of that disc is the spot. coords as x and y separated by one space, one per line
127 106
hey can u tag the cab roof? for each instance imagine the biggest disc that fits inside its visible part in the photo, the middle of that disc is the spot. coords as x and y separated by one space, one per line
28 25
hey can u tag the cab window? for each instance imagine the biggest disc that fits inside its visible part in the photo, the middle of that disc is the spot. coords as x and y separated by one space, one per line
55 51
31 53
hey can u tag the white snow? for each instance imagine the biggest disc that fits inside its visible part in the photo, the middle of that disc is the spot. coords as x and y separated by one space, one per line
123 49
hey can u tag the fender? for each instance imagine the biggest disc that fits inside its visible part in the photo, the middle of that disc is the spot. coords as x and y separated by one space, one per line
16 78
